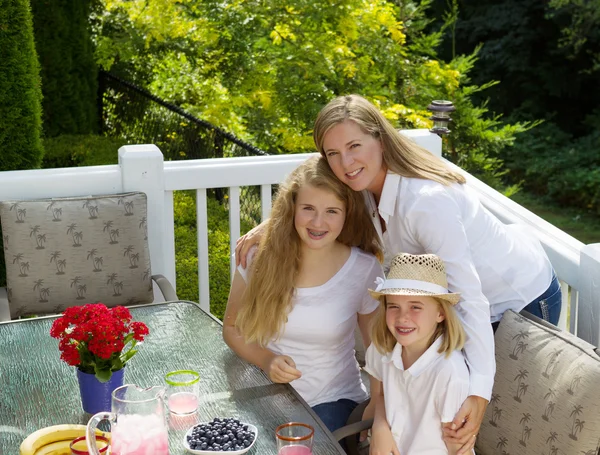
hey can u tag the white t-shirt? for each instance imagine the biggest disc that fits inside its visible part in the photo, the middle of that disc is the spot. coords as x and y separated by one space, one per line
319 333
420 399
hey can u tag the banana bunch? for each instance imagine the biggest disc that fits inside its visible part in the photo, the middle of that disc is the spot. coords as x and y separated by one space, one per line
54 440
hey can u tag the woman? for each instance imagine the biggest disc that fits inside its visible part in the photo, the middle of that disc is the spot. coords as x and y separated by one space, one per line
294 310
419 205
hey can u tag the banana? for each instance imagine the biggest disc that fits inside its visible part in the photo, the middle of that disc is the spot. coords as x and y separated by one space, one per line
56 433
55 448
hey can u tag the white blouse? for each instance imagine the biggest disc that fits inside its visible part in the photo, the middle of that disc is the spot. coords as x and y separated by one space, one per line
495 267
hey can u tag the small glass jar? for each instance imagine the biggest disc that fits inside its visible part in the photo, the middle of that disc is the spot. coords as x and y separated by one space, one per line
182 392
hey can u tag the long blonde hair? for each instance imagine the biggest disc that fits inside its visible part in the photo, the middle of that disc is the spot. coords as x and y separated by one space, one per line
400 154
267 299
450 329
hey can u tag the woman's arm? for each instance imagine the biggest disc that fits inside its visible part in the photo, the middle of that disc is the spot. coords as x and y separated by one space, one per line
452 448
279 368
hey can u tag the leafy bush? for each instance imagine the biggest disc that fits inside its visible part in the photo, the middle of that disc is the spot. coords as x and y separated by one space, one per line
263 70
186 250
20 95
551 163
69 73
80 150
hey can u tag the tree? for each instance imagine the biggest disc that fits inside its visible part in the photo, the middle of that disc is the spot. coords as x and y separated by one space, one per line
20 95
263 69
68 70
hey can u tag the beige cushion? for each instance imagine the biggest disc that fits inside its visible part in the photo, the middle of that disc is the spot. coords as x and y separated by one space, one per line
546 397
71 251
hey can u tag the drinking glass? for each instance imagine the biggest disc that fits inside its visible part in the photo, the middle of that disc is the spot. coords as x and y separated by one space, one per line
182 392
294 438
78 446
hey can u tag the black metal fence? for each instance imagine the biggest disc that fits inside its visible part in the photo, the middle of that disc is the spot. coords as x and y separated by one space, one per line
132 113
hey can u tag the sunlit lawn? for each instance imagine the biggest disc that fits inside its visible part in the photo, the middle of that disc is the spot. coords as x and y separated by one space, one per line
583 226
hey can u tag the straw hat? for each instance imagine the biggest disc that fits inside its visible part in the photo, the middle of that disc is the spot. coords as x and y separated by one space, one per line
416 274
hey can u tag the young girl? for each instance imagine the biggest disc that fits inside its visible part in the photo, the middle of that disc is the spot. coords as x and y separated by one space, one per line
416 355
294 310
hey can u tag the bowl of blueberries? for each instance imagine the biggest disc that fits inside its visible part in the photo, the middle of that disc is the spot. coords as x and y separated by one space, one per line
221 436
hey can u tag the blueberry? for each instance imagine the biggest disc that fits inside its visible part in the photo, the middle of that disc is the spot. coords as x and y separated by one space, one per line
203 446
246 442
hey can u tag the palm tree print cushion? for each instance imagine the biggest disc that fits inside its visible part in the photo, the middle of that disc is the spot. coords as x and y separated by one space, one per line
71 251
546 398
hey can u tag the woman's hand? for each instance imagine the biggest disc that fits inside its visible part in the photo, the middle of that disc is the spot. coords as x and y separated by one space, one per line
282 369
247 241
466 423
382 440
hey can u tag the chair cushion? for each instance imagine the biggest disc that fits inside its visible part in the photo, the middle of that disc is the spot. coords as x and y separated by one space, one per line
70 251
545 397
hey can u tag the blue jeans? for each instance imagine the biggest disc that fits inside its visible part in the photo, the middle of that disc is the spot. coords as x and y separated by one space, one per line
546 306
334 414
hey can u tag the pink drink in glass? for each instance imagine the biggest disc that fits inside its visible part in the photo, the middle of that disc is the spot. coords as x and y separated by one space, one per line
295 450
183 403
139 435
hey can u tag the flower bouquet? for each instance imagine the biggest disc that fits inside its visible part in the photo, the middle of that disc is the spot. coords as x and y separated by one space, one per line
96 339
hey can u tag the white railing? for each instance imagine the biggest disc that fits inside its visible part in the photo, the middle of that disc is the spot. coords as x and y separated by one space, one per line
141 168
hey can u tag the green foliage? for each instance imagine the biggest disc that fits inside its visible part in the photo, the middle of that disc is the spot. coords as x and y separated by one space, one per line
263 69
545 53
20 95
186 250
68 70
80 150
552 163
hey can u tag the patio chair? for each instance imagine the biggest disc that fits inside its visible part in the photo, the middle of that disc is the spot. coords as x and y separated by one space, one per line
545 397
64 252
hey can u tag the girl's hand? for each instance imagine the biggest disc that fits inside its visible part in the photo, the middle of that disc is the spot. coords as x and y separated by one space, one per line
247 241
282 369
368 413
382 441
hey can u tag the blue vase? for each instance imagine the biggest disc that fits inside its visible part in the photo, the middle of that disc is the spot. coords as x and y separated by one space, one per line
96 395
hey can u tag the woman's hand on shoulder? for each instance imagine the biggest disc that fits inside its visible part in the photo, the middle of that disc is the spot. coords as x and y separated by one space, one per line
247 241
282 369
382 441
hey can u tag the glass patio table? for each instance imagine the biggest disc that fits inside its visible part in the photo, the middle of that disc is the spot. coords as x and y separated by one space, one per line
37 389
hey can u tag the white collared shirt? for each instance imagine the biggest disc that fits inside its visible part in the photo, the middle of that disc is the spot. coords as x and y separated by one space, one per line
419 399
486 261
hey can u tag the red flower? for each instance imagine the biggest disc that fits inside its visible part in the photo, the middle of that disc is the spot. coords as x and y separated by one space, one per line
122 313
140 330
92 337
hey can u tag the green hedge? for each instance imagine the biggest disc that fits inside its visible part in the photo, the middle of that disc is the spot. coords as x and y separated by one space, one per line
80 150
186 248
68 70
20 95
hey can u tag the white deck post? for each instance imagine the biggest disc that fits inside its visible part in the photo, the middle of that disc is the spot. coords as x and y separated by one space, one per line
425 139
588 326
142 169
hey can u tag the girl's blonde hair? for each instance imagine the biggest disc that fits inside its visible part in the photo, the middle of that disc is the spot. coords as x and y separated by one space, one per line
400 154
267 299
450 329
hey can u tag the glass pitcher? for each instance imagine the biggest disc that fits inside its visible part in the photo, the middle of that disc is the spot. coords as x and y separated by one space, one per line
138 422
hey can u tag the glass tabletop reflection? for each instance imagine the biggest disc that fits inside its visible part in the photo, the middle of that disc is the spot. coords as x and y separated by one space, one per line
39 390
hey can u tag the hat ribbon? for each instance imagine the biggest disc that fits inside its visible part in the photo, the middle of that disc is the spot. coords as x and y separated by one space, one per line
409 284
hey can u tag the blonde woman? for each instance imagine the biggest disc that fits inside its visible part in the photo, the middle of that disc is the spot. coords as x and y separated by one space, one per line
293 311
415 358
418 205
